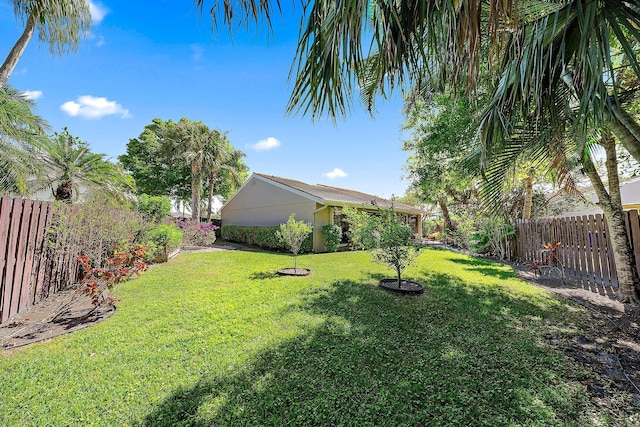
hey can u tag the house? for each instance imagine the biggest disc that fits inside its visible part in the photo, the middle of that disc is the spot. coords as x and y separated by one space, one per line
629 192
266 200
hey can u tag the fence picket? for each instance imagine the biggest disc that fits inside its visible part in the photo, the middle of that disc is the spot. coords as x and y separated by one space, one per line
21 282
585 250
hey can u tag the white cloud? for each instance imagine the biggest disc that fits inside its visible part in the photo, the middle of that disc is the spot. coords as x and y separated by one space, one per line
100 41
91 107
32 94
335 173
266 144
98 12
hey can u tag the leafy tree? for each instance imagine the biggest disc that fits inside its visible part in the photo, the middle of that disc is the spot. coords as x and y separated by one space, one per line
61 24
440 143
154 208
292 233
386 236
155 173
392 245
164 158
71 164
199 147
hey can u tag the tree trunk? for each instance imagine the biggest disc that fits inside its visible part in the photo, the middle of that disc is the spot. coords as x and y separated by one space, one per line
18 49
196 182
212 180
399 277
611 205
528 197
64 192
627 129
448 224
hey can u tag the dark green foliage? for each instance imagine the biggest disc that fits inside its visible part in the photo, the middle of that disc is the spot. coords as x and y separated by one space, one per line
155 174
165 238
265 237
332 235
154 208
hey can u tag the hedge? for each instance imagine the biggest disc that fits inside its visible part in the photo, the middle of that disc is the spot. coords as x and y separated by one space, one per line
265 237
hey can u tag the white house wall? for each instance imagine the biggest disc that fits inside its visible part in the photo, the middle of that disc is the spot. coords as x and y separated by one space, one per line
263 204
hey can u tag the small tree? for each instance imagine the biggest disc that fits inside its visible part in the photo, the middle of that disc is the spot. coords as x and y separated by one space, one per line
393 246
292 233
387 239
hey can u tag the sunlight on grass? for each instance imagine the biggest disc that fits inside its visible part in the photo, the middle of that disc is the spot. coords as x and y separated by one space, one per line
218 338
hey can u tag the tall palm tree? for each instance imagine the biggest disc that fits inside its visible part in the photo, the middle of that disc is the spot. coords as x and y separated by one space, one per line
564 82
227 166
60 23
71 164
199 146
216 155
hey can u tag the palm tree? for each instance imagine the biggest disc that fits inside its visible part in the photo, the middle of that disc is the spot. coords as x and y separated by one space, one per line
20 132
217 154
199 146
61 24
227 167
71 164
564 84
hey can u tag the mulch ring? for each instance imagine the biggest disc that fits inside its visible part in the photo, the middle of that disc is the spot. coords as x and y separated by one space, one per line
406 286
294 272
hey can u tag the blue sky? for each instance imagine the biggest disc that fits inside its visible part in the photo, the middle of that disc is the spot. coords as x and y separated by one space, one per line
142 62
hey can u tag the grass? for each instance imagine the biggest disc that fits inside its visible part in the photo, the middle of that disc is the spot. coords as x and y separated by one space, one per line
219 339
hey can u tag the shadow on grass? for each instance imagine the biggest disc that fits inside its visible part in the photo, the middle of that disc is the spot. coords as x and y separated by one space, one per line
488 268
259 275
458 356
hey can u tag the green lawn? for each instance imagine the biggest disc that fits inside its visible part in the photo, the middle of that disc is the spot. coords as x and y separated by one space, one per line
218 339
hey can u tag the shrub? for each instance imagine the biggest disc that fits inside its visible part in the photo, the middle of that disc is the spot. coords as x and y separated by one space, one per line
362 228
154 208
126 262
493 237
292 233
197 234
164 239
332 235
94 231
265 237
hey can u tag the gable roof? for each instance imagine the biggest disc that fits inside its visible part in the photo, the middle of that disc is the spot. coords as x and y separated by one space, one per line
335 196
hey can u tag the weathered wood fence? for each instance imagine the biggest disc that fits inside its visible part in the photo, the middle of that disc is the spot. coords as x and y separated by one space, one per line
585 250
30 270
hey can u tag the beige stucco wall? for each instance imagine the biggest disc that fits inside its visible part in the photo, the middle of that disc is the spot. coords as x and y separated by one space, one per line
262 203
323 216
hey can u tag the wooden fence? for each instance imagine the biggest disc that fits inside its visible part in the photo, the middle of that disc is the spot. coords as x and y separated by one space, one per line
585 250
30 270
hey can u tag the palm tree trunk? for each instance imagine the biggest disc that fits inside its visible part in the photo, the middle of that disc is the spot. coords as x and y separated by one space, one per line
196 183
611 205
64 192
18 49
212 180
528 197
627 129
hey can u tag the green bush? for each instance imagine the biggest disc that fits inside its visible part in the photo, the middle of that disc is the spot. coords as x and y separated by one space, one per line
332 235
265 237
164 238
154 208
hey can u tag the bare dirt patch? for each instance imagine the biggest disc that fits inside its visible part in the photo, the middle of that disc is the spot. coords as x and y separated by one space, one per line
60 314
